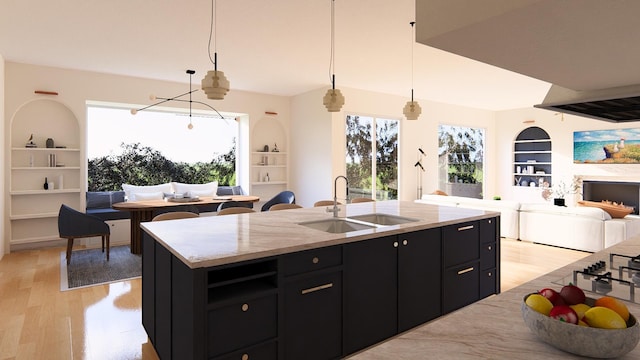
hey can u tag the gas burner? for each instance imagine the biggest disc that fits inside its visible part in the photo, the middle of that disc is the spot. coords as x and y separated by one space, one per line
618 277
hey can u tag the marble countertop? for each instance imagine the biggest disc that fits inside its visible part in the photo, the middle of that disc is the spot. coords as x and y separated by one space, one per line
216 240
492 328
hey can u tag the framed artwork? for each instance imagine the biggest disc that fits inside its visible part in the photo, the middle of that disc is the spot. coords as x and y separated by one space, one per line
618 146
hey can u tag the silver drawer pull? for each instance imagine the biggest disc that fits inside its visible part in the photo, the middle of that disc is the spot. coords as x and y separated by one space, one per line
465 271
489 248
465 228
317 288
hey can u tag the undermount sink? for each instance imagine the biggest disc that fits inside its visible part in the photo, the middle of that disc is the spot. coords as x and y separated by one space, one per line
337 226
383 219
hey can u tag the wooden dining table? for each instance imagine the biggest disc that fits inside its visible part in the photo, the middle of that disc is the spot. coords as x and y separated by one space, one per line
142 211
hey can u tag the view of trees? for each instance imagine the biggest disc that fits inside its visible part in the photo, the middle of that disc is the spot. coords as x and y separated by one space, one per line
359 156
461 149
141 165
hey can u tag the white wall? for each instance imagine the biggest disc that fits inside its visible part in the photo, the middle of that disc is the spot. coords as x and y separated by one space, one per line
4 241
510 123
318 140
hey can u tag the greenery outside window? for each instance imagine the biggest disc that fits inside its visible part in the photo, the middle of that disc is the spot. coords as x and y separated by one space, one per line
155 147
370 177
460 160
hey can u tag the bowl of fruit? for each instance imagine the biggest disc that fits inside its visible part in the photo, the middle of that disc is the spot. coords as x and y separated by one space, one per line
570 321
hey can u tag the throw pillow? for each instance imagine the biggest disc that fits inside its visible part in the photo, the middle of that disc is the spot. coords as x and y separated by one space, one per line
142 196
128 189
208 189
616 211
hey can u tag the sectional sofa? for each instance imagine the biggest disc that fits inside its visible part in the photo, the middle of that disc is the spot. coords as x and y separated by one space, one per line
575 227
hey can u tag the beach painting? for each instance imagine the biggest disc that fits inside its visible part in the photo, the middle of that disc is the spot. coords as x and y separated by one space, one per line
619 146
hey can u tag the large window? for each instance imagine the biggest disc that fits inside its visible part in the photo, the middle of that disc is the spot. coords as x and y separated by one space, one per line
369 176
154 147
461 158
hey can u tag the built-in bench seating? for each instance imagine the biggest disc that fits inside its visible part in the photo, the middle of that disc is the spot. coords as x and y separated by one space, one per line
99 202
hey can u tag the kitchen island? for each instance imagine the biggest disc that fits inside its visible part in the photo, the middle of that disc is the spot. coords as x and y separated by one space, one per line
271 285
493 328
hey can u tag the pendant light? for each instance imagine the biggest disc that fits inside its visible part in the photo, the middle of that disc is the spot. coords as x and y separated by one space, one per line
412 109
333 99
214 84
177 98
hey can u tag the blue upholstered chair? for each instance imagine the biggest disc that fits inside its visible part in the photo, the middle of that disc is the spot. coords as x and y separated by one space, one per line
73 224
285 197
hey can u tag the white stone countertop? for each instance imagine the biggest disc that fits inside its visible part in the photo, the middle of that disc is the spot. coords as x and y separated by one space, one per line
492 328
216 240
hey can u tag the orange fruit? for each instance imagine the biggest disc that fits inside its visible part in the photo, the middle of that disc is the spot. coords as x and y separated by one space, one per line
604 318
615 305
539 303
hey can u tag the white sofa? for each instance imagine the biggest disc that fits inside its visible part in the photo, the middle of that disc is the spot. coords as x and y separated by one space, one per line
581 228
509 217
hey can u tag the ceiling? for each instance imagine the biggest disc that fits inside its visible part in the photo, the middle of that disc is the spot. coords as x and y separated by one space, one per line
282 47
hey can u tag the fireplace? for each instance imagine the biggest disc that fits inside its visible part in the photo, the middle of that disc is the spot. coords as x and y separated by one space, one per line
619 191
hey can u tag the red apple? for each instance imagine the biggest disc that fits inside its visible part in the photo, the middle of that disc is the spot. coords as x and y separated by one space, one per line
564 313
550 294
572 294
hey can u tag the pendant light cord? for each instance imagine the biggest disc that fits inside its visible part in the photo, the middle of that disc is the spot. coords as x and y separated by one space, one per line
412 46
332 60
212 34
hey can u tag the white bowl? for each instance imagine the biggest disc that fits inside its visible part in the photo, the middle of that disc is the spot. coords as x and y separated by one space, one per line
580 340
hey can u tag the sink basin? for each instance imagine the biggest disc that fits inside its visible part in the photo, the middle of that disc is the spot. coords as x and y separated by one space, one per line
337 226
383 219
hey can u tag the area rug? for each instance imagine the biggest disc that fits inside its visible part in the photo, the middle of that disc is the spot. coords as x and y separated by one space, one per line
90 267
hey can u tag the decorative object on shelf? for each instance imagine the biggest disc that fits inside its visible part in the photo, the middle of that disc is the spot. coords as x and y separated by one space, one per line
333 99
265 160
52 160
214 84
30 143
50 143
60 181
52 185
266 178
176 98
412 109
275 148
265 148
518 169
46 184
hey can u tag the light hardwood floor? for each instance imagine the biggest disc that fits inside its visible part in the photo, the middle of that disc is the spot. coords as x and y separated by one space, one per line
38 321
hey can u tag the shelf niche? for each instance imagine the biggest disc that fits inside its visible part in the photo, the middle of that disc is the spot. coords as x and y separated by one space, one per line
532 157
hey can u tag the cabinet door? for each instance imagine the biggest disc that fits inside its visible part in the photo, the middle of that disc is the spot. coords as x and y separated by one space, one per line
370 292
419 284
461 286
313 317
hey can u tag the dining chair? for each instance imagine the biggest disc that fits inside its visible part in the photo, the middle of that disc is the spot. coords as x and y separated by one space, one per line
230 204
175 215
325 203
284 207
73 224
284 197
235 210
181 208
361 200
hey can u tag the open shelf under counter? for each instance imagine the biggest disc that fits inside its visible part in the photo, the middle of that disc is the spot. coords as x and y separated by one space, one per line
44 192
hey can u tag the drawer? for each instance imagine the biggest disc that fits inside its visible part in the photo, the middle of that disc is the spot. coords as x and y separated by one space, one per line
460 243
488 229
461 286
488 283
487 255
242 324
311 260
268 351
